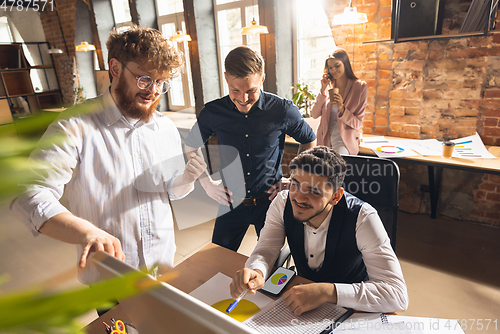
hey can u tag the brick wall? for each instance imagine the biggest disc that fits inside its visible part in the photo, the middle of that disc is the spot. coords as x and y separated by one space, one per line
65 63
446 88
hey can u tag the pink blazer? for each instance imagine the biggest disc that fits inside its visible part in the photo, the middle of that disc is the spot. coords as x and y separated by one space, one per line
350 123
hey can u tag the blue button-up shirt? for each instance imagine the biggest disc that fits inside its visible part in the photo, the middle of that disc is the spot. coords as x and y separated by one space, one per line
258 137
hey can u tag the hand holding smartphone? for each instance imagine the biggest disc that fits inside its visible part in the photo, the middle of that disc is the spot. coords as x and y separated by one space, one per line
277 281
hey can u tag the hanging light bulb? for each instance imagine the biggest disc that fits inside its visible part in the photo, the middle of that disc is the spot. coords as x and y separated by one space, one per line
54 49
179 37
254 29
350 16
84 46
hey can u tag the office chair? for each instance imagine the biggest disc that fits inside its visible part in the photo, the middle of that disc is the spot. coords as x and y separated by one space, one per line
376 181
373 180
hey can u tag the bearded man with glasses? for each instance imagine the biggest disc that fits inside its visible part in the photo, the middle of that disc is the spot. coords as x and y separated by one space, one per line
107 164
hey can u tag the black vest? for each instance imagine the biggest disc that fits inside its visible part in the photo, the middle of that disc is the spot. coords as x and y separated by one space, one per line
343 261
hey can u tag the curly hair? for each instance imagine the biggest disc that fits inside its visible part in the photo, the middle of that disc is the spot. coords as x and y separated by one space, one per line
322 161
145 46
243 61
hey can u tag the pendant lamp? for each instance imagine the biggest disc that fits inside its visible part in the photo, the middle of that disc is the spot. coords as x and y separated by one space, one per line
254 29
350 16
84 46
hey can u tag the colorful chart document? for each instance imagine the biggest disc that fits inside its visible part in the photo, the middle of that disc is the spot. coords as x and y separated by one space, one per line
215 292
471 147
391 149
266 315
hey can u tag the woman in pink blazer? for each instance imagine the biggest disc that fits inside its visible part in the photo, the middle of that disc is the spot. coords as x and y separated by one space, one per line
341 113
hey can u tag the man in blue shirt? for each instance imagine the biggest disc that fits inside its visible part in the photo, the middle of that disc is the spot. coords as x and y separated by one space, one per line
250 126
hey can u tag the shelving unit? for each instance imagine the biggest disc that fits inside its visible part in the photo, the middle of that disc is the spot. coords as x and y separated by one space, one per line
48 100
28 81
17 83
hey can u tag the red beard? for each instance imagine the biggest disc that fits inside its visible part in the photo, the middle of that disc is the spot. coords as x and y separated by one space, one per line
128 104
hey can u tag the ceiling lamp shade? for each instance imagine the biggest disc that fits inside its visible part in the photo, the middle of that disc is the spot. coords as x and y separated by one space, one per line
349 16
84 46
179 37
54 50
254 29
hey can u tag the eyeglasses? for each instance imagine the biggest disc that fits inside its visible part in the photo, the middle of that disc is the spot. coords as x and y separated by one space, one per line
144 82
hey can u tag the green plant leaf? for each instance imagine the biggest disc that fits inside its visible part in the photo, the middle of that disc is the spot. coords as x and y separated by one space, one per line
37 310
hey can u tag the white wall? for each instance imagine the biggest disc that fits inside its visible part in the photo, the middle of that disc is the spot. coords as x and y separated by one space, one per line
32 32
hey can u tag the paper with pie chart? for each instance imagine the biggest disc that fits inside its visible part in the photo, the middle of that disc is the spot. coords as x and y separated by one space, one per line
391 149
215 292
277 280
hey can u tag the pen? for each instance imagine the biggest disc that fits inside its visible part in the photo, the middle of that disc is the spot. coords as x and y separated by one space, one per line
108 327
237 300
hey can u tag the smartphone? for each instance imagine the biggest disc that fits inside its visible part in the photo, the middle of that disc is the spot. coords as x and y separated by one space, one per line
330 77
278 281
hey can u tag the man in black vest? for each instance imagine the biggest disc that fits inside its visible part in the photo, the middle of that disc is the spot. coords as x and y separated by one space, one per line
337 241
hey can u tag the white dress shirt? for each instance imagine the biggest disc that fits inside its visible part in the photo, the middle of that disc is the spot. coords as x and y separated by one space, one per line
115 175
385 291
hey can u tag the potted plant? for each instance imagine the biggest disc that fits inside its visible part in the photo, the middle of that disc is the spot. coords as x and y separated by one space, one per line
303 99
80 95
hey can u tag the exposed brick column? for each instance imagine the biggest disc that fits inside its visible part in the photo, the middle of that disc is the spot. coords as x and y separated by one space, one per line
65 63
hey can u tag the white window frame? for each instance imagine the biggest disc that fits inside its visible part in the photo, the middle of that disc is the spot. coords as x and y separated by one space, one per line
178 20
8 36
242 4
295 47
121 25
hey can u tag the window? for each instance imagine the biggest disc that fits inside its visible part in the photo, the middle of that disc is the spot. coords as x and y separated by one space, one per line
313 43
41 79
230 17
121 13
5 34
171 19
221 2
170 7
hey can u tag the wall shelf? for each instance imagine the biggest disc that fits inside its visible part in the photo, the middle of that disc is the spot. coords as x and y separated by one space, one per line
17 83
49 100
12 57
28 82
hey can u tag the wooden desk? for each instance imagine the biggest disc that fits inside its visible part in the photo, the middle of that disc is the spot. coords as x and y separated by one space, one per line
192 273
207 262
435 165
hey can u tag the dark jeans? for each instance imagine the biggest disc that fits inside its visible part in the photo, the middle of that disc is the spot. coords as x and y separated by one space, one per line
230 228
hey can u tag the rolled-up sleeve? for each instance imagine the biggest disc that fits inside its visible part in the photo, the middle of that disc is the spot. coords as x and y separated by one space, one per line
385 291
272 237
54 159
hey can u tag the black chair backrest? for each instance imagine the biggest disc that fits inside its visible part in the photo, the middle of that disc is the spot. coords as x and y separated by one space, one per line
376 181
